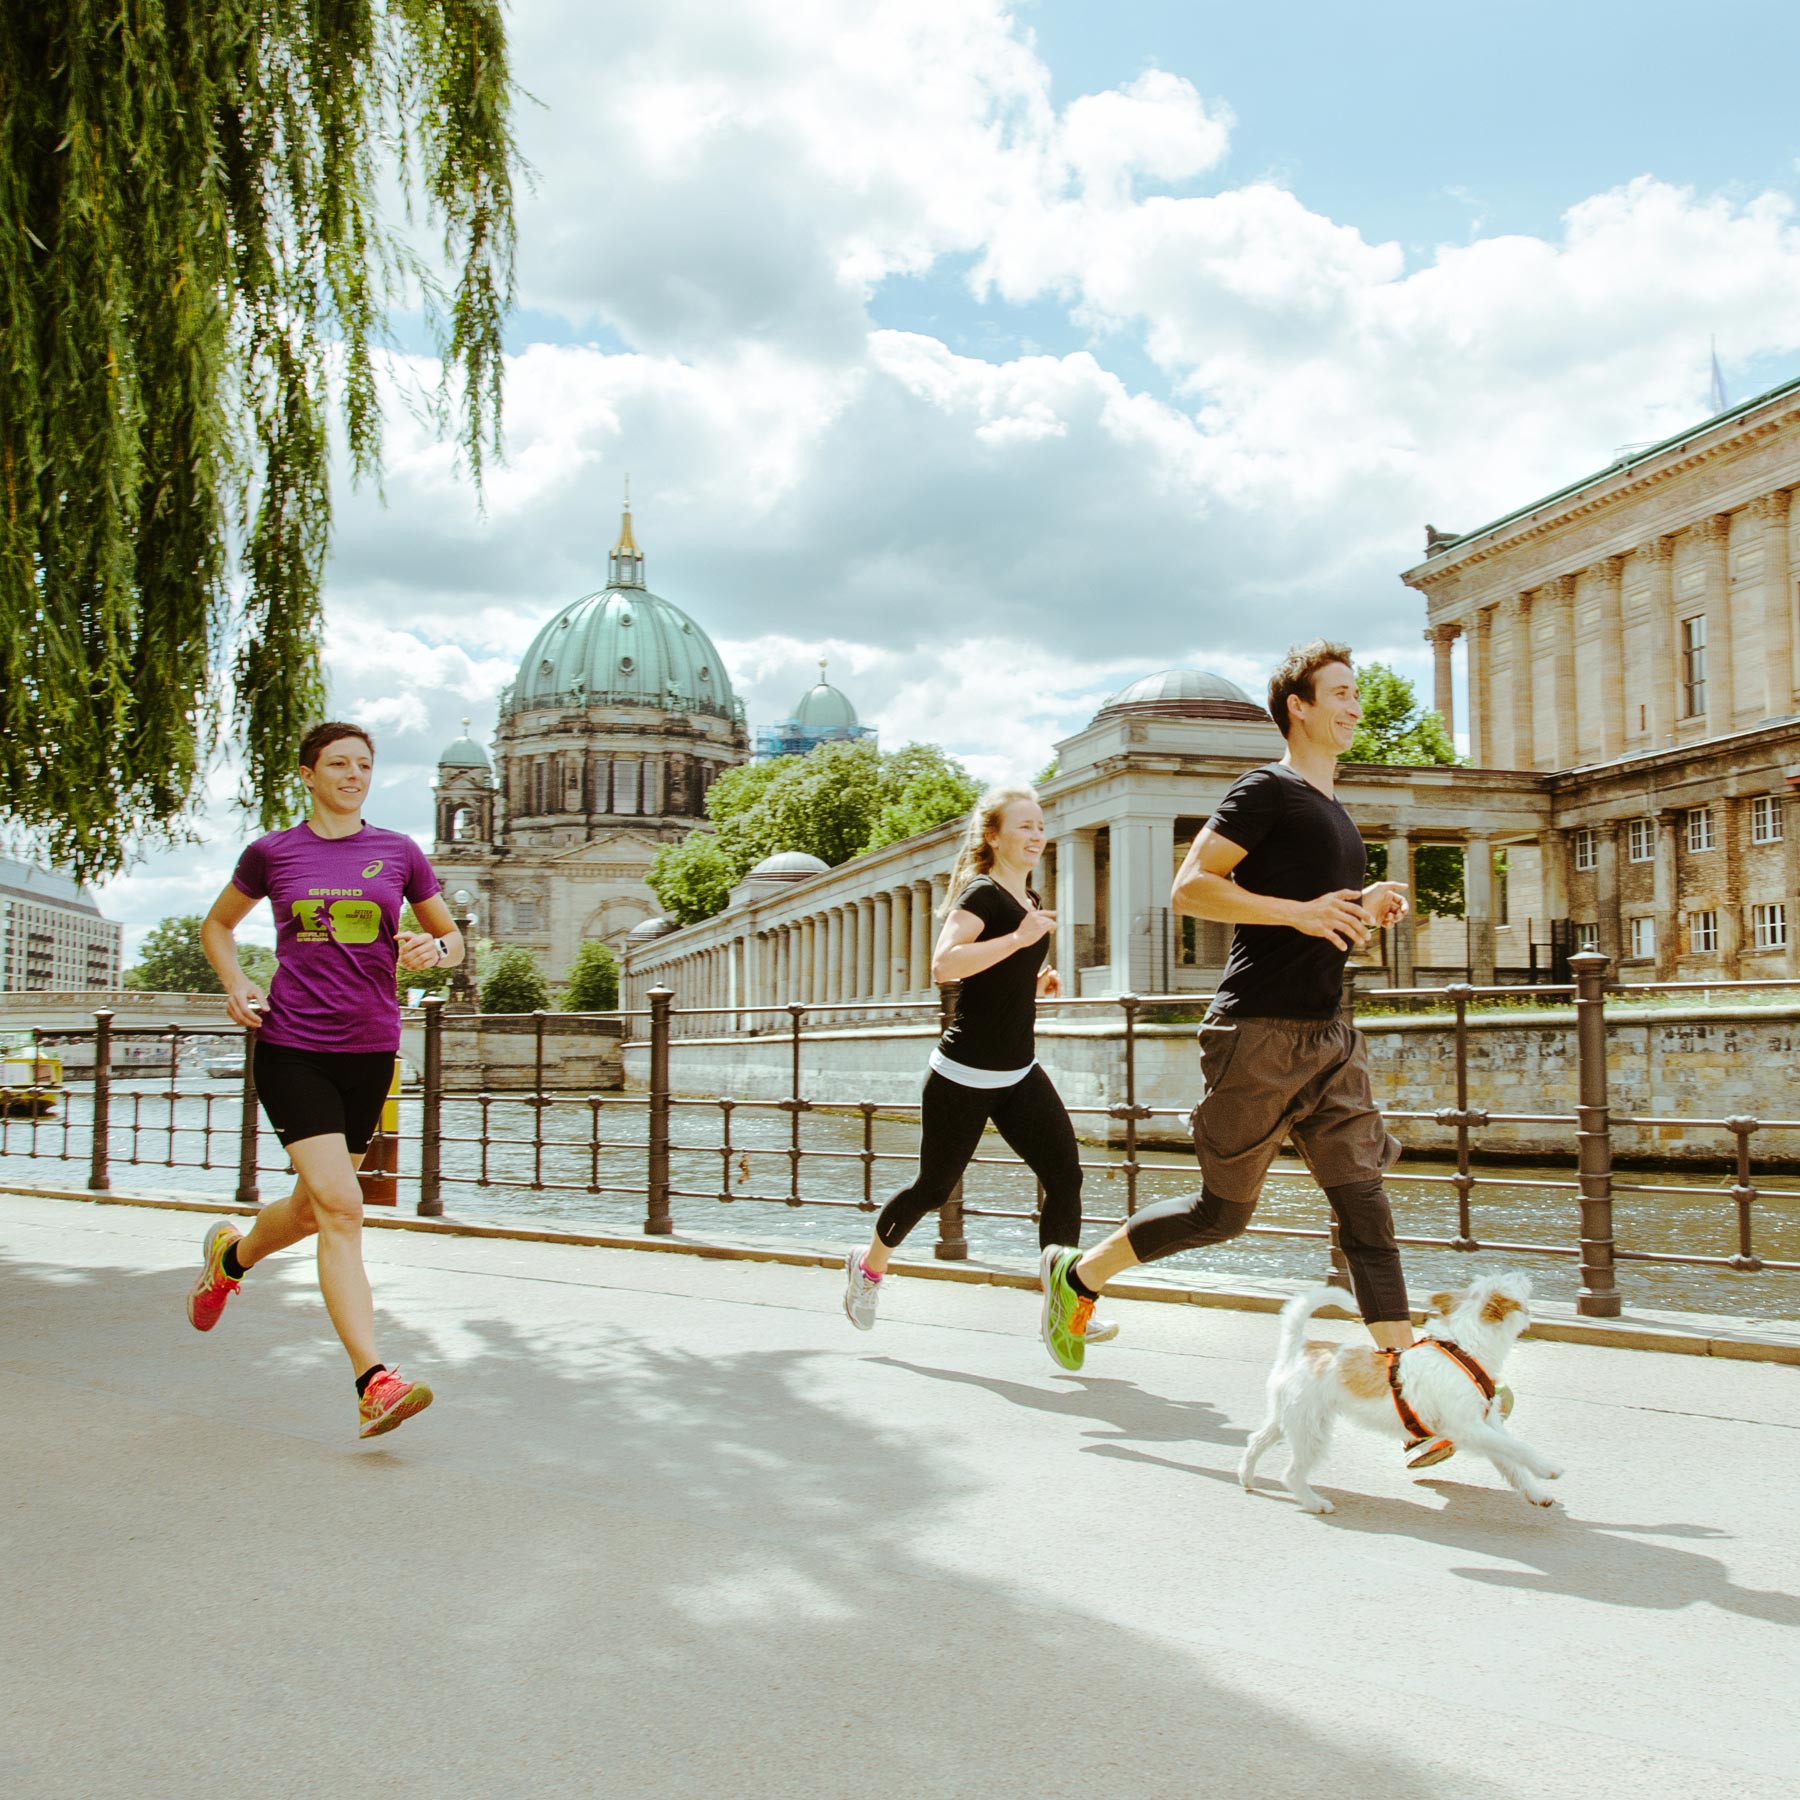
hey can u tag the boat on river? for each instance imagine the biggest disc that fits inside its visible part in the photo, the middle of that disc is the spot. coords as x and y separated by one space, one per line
31 1083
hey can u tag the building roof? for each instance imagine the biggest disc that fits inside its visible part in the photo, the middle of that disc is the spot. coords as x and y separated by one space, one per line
825 708
792 865
26 881
465 753
1182 694
1443 544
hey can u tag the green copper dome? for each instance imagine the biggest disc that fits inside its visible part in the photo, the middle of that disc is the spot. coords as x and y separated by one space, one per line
465 753
825 708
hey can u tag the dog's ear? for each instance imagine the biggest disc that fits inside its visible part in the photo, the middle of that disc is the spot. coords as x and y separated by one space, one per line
1498 1307
1445 1304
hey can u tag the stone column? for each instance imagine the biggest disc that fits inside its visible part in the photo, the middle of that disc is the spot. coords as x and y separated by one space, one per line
1666 892
818 950
1664 699
1790 835
1521 751
1400 937
1733 913
1553 864
1607 690
881 974
1074 902
1481 670
1143 857
832 995
1443 690
1715 536
1478 904
1771 513
899 968
1606 887
924 935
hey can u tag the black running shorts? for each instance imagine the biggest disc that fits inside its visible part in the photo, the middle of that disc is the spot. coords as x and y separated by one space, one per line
323 1093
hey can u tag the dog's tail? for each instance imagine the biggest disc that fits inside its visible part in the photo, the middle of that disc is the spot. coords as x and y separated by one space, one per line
1296 1316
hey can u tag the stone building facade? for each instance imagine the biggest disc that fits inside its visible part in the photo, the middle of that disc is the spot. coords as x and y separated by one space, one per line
621 717
52 937
1634 639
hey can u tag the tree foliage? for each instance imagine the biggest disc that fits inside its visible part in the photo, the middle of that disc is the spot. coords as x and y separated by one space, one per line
172 962
1396 729
836 802
195 278
514 983
593 981
418 981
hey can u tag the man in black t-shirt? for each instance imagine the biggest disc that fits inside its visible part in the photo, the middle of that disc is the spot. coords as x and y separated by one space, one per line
1282 862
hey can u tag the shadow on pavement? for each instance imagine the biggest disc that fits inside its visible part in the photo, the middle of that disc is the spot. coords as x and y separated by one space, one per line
600 1565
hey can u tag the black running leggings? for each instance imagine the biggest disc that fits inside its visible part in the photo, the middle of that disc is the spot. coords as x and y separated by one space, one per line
1029 1115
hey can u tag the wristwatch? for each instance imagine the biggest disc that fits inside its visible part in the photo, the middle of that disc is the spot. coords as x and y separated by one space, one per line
443 950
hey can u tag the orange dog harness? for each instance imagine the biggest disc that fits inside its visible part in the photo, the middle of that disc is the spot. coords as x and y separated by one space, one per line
1410 1420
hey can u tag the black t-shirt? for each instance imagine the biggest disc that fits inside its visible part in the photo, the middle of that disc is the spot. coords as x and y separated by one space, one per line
996 1012
1297 844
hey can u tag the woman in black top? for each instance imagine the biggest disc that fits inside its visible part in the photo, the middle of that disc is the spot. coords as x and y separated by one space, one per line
984 1070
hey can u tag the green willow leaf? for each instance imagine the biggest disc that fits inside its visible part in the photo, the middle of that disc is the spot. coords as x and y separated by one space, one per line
194 280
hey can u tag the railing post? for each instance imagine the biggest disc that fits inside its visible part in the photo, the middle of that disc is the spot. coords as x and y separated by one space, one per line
1130 1003
247 1194
1460 993
657 1222
1337 1265
1598 1296
952 1244
98 1178
431 1112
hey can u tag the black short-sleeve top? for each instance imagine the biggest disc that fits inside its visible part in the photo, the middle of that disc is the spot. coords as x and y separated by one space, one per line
1298 844
996 1012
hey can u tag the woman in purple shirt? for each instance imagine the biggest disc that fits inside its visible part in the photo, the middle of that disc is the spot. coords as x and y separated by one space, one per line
326 1037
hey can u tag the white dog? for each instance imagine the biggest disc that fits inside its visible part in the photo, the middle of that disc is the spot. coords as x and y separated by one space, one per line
1312 1384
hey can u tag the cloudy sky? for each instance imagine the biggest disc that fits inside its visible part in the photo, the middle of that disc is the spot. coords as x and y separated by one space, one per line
1004 353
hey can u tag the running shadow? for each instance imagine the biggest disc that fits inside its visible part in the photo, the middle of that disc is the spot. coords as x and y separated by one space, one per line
1132 1415
655 1561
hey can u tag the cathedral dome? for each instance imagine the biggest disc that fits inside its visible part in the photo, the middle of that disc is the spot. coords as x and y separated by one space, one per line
1182 694
825 708
465 753
624 646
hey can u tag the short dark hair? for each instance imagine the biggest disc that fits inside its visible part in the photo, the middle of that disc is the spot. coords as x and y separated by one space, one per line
1294 675
316 741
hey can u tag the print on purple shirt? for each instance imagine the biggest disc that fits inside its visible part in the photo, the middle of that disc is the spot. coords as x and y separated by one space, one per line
337 909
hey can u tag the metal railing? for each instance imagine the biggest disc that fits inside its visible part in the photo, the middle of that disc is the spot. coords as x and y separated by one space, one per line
627 1144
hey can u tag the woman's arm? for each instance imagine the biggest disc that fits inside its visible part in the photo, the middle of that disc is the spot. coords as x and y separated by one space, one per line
958 956
243 998
419 949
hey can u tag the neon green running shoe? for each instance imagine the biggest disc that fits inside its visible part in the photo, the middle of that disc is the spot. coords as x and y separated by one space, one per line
1065 1314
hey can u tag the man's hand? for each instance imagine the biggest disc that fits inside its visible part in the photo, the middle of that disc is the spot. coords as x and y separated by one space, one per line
1339 917
418 950
1386 902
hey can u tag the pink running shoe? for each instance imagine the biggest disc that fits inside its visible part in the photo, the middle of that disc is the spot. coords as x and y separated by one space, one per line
207 1297
389 1400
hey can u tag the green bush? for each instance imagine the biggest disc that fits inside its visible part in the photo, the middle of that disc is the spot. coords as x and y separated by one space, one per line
593 984
514 984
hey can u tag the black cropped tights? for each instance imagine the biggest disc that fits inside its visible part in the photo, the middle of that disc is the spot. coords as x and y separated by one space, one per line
1365 1231
1029 1115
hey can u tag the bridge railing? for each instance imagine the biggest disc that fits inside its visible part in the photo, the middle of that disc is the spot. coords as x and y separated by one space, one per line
675 1151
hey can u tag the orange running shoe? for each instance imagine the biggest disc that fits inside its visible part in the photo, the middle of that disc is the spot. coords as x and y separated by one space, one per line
389 1400
207 1297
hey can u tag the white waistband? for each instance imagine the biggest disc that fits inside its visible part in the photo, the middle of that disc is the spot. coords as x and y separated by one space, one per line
964 1076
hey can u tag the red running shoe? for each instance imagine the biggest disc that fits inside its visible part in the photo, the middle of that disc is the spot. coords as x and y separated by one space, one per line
207 1297
389 1400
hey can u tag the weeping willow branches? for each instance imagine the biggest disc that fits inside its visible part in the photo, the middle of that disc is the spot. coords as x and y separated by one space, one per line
194 280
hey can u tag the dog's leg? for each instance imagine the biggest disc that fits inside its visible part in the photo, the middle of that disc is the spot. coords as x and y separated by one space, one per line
1520 1466
1254 1450
1308 1432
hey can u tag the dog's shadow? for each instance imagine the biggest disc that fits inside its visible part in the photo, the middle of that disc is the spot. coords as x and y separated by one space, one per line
1613 1563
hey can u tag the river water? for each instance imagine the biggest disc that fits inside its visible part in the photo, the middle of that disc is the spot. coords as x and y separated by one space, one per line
155 1148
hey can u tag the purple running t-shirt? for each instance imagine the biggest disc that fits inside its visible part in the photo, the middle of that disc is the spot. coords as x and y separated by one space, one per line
337 908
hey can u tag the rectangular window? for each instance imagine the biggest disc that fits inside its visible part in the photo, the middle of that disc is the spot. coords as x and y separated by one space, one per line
1587 937
1703 931
1765 819
1699 828
1586 844
1693 666
1768 926
1640 841
1643 938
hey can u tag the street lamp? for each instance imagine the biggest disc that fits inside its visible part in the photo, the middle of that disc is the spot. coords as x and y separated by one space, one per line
461 996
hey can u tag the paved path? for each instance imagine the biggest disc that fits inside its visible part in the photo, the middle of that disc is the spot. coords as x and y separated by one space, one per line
674 1530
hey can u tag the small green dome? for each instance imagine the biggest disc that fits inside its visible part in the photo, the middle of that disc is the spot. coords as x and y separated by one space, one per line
624 646
825 708
465 753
